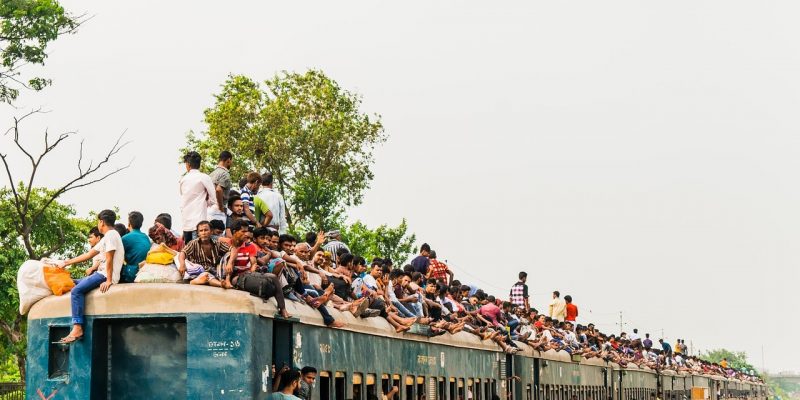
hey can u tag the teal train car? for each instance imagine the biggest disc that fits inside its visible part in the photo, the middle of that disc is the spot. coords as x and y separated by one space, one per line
168 341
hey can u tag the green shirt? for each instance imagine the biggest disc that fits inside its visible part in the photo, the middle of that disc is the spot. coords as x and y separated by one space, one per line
261 208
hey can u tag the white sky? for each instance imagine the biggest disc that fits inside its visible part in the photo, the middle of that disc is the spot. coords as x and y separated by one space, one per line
640 156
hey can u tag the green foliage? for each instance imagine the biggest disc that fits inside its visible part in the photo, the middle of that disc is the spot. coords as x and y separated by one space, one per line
44 237
383 241
306 130
26 28
736 359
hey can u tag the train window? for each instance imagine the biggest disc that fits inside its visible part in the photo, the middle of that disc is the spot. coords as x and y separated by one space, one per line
488 389
357 385
385 384
421 393
340 387
433 386
409 391
324 385
441 392
371 386
528 392
461 395
58 354
478 390
453 389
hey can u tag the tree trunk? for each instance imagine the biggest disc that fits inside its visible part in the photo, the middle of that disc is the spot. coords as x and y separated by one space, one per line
21 365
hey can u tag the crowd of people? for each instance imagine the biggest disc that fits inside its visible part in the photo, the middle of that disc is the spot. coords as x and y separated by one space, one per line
237 238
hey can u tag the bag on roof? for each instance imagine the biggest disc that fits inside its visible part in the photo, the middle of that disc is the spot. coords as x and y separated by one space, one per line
57 279
31 285
256 284
157 273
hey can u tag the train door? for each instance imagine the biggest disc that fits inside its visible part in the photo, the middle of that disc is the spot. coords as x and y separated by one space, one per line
139 358
282 344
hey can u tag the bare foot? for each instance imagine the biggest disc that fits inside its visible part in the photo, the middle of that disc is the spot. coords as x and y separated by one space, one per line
407 321
402 328
285 314
337 324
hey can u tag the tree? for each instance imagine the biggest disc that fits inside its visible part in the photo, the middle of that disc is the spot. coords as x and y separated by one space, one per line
33 224
56 228
26 29
736 359
306 130
383 241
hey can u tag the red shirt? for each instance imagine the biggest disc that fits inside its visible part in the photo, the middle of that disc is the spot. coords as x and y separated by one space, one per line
438 270
242 262
572 312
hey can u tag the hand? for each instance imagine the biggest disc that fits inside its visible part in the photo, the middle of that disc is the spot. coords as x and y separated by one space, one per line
182 270
61 264
228 268
221 209
104 286
320 238
90 270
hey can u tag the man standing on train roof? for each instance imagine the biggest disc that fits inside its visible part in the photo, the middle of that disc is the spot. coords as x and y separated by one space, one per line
635 335
221 178
519 292
421 262
647 343
571 310
274 202
438 270
666 348
108 272
558 307
197 195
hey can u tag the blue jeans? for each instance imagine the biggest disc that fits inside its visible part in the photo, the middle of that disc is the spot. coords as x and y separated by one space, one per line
402 309
78 294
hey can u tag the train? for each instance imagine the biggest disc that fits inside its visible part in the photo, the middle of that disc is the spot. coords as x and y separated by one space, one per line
178 341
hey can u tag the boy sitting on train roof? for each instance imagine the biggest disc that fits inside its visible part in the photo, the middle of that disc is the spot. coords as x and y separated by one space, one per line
107 273
199 258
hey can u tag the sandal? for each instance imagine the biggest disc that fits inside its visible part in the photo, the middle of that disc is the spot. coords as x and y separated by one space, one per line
69 339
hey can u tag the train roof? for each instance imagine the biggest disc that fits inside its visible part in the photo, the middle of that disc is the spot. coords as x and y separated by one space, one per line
169 298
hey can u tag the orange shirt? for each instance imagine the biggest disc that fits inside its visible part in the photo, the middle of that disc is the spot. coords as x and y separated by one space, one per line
572 312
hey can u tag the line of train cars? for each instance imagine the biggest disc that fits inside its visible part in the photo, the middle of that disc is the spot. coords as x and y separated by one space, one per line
168 341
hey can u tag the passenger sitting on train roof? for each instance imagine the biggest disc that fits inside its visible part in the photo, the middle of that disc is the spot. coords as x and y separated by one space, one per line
235 214
199 258
136 245
107 273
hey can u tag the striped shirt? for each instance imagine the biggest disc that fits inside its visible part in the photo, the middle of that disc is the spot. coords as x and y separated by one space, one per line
194 253
333 247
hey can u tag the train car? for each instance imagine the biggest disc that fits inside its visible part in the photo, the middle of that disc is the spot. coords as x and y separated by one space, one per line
168 341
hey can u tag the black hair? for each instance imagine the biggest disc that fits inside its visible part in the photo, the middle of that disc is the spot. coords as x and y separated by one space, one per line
135 219
232 200
416 276
217 224
266 178
456 282
395 273
193 158
376 261
108 217
425 247
121 229
286 238
491 299
225 155
287 377
557 293
568 298
307 370
96 232
359 261
239 224
385 269
311 238
165 219
260 231
408 268
523 275
345 259
201 223
272 232
242 182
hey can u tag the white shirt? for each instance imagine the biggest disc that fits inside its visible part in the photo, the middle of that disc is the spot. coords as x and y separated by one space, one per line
558 309
197 194
635 336
275 202
110 241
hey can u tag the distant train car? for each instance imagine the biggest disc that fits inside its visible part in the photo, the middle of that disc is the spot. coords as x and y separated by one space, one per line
168 341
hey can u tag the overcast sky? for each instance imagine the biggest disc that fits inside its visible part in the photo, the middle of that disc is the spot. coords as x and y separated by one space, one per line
640 156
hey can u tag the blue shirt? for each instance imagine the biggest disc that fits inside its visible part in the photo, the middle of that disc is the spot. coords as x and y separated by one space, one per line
136 245
420 264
